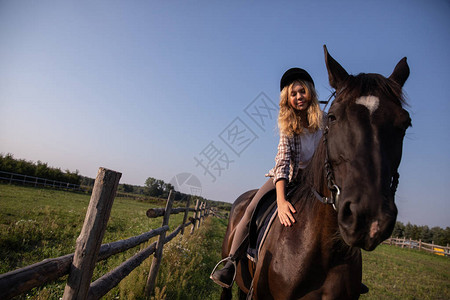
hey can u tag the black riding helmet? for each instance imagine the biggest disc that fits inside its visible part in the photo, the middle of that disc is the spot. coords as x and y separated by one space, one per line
293 74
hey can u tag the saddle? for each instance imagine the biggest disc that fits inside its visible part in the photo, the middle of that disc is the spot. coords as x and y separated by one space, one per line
259 223
262 219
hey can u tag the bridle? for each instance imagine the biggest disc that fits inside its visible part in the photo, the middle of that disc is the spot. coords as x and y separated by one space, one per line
335 192
334 189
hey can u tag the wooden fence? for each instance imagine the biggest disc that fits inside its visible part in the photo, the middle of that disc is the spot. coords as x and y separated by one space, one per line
80 265
419 245
38 181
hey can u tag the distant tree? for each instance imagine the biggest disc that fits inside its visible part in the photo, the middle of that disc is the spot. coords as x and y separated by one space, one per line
127 188
438 235
154 187
42 169
7 163
20 166
426 234
399 230
408 230
416 233
446 238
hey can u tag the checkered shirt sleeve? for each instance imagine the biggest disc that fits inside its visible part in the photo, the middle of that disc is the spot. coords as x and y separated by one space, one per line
287 159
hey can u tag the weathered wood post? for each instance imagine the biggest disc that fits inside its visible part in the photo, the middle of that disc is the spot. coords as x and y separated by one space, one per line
195 216
186 212
91 236
202 216
156 262
199 214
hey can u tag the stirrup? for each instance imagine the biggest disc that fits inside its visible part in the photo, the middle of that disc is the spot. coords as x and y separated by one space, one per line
234 276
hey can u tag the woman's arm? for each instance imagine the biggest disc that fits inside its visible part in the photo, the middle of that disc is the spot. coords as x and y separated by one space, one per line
285 208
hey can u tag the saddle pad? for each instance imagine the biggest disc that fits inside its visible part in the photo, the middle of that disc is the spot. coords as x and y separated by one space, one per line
262 219
253 249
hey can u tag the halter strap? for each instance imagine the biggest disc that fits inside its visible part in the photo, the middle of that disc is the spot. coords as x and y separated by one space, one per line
333 200
328 101
332 186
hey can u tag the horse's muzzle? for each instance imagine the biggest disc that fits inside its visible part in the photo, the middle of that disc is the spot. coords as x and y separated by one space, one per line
366 226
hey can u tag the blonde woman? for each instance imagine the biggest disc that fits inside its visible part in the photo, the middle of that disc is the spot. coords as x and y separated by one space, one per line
299 122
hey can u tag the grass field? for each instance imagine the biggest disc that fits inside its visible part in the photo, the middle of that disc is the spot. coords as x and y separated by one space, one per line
40 223
396 273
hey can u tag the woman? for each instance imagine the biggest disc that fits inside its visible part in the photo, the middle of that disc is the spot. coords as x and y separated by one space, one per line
299 122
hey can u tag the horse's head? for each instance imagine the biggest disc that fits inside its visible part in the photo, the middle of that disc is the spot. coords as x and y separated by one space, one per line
366 126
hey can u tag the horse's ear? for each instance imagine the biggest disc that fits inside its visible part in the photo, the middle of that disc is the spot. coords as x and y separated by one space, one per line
401 72
336 73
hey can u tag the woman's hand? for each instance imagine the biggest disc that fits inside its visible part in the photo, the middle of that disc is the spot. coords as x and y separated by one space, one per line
285 211
285 208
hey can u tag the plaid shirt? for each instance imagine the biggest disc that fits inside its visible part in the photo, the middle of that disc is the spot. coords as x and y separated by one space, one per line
294 153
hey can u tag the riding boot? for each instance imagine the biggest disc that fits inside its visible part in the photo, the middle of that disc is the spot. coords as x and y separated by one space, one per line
225 276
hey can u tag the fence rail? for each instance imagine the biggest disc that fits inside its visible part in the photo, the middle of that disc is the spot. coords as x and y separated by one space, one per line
80 265
38 181
419 245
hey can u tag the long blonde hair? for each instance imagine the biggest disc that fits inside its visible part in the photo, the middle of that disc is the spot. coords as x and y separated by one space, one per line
289 122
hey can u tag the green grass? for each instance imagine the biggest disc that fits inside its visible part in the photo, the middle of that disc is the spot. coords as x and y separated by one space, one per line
36 224
185 268
395 273
41 223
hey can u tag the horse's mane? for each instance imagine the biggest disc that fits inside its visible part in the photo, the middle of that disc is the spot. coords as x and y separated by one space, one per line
312 176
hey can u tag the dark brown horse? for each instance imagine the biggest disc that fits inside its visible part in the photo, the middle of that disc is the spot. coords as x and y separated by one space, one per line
319 257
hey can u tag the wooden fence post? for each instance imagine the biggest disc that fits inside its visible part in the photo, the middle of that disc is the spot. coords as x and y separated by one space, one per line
156 262
202 216
195 216
199 214
91 236
186 213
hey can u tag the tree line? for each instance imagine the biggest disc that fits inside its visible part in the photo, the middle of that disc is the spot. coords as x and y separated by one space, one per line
39 169
154 187
437 235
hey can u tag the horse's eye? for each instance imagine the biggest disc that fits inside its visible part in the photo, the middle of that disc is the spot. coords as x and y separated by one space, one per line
331 117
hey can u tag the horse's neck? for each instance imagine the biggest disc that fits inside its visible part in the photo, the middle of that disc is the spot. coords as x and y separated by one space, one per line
315 171
320 216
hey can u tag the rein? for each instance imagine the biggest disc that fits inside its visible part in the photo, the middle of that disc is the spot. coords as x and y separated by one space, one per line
332 186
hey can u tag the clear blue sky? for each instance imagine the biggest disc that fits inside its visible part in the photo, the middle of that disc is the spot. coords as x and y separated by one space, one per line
147 87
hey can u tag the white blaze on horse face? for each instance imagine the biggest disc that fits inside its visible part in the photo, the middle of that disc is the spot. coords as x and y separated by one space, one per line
370 102
374 228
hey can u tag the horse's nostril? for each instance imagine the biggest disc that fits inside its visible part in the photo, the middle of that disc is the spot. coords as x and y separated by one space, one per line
346 211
